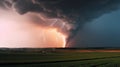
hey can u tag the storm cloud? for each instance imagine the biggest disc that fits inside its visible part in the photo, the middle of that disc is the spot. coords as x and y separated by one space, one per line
75 12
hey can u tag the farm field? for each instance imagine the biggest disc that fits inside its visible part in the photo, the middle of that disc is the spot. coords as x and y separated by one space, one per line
62 58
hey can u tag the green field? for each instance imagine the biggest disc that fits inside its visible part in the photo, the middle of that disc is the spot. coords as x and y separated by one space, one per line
60 59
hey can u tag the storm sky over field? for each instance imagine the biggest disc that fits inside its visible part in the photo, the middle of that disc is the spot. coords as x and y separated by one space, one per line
81 23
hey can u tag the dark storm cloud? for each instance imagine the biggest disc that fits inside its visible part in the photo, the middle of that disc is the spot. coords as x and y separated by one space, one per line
82 10
77 12
2 3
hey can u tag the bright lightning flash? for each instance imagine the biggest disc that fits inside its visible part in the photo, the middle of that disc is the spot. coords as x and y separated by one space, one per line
17 31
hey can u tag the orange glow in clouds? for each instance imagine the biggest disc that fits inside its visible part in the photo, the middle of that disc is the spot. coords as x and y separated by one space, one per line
17 31
52 38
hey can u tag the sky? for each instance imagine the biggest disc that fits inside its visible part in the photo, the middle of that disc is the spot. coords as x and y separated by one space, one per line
101 32
60 23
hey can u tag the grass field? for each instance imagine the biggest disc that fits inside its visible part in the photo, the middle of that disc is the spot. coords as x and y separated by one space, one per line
60 59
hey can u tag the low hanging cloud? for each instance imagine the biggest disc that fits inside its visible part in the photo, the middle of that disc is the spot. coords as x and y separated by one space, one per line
75 13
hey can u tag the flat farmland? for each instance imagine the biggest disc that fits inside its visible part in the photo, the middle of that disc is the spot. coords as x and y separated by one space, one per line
61 58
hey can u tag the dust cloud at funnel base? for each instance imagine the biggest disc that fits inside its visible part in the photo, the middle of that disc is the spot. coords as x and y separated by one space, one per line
18 31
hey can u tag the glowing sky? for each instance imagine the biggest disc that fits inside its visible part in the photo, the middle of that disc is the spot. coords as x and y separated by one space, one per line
51 23
18 31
